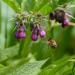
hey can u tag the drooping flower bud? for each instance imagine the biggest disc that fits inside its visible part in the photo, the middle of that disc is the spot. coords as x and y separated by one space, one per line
20 35
34 37
42 33
65 23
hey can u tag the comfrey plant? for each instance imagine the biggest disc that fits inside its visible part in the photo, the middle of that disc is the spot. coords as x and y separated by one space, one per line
37 30
35 27
60 16
35 37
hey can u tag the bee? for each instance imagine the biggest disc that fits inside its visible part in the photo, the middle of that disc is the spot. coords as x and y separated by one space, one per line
52 43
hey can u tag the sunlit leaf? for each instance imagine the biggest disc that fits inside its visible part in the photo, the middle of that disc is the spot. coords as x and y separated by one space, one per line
25 69
13 4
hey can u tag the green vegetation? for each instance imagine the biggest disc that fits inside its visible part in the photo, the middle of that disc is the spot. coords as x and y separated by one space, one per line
27 57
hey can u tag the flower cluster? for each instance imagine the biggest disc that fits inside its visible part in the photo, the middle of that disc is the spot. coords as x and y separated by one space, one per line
37 31
20 26
36 28
20 32
60 16
35 22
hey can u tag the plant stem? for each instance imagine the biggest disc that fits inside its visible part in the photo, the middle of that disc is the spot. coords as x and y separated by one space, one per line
73 68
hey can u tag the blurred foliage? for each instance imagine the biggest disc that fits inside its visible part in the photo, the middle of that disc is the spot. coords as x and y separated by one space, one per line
35 58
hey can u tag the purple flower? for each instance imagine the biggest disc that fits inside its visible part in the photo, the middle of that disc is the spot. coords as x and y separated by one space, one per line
34 36
65 23
20 35
21 28
42 33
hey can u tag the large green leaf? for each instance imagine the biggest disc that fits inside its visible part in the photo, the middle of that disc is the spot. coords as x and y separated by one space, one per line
59 67
8 52
13 4
24 69
28 5
40 4
19 2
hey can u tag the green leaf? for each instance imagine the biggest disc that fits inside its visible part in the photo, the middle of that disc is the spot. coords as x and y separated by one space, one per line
64 1
13 4
46 9
72 60
59 67
19 2
28 5
40 4
26 69
8 52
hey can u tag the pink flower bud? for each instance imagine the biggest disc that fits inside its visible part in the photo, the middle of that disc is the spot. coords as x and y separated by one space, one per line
20 35
34 37
42 33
